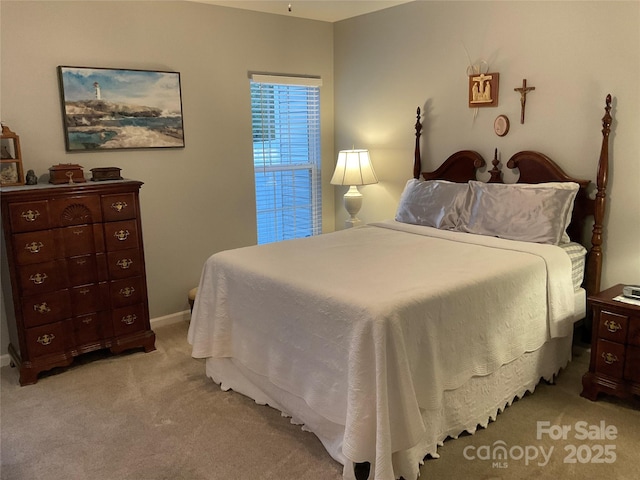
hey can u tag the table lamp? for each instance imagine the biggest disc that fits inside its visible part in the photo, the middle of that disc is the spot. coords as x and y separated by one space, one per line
353 168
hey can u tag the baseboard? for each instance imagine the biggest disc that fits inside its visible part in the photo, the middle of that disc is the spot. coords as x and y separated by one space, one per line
5 360
171 319
158 322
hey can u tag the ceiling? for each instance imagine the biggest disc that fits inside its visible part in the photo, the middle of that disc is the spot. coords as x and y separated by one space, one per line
324 10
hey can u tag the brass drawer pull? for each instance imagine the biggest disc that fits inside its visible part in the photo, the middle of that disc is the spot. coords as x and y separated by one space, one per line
78 232
612 326
30 215
609 358
46 339
87 321
84 291
38 278
119 206
129 319
42 308
34 247
124 263
127 291
121 235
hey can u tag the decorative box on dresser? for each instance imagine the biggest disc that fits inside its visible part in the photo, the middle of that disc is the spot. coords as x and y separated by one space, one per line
615 347
73 272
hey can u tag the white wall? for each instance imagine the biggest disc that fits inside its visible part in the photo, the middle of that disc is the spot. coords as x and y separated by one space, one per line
197 200
574 53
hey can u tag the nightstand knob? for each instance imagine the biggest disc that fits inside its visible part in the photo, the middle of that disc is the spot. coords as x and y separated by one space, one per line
46 339
612 326
38 278
34 247
609 358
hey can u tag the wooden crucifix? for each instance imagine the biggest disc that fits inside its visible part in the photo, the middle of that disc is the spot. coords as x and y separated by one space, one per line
523 97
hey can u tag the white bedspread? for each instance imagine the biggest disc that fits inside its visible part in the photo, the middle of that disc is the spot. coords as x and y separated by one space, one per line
370 325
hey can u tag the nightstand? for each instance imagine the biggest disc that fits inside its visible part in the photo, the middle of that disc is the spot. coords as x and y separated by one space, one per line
615 347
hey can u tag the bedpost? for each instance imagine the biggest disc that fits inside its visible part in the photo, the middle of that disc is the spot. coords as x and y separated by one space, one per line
417 162
594 261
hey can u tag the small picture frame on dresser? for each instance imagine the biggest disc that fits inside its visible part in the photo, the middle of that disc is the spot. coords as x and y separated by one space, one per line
11 172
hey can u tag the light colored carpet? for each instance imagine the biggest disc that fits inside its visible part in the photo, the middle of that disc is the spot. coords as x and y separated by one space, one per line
156 416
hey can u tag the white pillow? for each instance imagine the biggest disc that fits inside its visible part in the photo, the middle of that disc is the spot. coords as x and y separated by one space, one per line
433 203
537 213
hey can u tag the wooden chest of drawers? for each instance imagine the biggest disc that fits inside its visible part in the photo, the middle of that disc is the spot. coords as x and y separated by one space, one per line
73 273
615 347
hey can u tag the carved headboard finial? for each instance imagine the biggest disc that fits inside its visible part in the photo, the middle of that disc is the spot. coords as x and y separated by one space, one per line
417 160
496 174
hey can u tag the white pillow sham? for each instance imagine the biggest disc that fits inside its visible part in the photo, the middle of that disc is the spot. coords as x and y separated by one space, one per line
538 213
432 203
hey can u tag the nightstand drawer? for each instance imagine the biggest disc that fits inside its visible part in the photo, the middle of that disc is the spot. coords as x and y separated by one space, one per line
632 364
610 358
633 337
613 326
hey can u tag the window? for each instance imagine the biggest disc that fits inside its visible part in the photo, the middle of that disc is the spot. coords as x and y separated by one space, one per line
285 115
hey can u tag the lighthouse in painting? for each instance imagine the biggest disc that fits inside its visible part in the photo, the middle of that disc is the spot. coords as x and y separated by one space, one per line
96 85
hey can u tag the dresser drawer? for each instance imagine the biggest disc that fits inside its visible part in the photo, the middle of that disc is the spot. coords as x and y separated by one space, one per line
29 216
46 308
84 269
610 358
88 298
76 210
46 340
118 207
80 240
125 263
613 326
34 247
128 320
121 235
91 328
127 291
40 278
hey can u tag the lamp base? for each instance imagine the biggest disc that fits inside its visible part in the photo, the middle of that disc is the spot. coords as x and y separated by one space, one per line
352 203
352 222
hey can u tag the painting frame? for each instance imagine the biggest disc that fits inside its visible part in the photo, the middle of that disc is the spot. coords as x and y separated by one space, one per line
483 90
120 109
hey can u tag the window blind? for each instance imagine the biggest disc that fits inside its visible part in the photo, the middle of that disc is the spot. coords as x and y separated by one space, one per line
285 115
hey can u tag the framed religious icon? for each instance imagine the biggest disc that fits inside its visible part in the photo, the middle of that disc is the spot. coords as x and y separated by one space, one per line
11 172
483 90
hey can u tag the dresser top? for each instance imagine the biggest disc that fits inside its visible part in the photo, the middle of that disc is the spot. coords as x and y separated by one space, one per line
88 187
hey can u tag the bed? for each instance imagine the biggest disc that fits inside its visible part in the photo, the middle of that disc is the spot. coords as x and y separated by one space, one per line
385 339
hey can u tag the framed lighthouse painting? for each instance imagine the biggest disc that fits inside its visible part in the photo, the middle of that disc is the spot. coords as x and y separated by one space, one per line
115 109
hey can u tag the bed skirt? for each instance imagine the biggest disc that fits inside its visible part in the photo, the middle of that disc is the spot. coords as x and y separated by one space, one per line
474 404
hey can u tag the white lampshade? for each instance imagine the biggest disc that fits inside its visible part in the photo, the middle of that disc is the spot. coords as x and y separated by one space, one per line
354 168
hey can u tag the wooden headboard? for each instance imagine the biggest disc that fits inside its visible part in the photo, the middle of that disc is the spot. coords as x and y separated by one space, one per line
535 167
